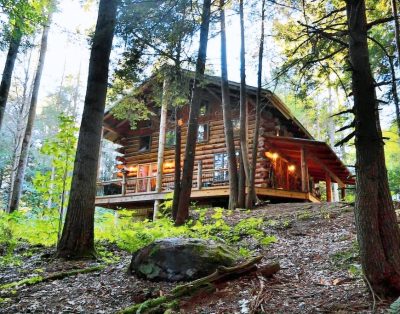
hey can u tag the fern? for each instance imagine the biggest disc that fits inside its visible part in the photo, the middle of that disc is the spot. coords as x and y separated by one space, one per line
395 307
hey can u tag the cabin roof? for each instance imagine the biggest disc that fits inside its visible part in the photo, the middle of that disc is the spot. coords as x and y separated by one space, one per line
321 159
116 129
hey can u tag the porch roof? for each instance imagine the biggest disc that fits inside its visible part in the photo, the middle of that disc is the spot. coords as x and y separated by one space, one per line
320 157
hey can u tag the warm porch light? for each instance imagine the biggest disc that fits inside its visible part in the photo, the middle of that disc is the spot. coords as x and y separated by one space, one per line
133 169
180 122
168 166
270 155
291 168
120 166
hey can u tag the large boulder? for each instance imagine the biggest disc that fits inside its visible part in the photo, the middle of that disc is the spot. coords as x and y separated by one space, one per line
181 259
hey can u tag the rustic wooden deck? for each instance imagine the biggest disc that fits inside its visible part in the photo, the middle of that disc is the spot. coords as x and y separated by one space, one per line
131 199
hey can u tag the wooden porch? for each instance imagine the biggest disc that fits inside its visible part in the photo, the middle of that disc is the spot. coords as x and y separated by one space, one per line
207 184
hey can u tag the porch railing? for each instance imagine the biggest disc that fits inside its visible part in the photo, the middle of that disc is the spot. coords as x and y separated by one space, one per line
202 178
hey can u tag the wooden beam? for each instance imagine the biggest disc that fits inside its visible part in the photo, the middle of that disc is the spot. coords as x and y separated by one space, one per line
331 174
304 170
328 188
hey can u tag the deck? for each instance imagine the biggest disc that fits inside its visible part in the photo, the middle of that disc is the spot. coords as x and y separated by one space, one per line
142 198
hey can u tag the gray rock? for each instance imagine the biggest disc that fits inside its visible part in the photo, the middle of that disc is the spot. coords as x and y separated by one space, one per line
181 259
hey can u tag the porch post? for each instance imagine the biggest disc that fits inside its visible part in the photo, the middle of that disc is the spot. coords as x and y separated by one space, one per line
161 144
304 170
123 187
199 174
328 187
99 162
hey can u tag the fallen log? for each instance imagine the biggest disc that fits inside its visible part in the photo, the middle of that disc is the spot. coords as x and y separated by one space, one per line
202 283
60 275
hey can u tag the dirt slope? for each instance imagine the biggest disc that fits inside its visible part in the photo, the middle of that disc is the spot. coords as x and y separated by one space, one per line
316 249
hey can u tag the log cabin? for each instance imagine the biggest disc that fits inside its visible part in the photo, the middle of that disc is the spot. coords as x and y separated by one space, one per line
290 166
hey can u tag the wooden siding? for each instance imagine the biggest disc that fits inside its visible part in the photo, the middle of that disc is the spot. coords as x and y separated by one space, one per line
271 123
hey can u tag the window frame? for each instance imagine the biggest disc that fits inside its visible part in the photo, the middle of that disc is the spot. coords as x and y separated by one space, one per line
206 131
140 148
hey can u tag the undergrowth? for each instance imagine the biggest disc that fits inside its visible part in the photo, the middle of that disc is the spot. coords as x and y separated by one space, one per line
122 229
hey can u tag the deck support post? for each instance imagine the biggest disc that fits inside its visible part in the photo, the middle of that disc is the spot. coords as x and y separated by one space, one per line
123 187
304 170
199 174
328 187
343 193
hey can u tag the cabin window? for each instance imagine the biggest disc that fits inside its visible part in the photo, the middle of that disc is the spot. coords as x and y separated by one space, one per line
236 127
144 143
170 138
202 133
221 167
204 108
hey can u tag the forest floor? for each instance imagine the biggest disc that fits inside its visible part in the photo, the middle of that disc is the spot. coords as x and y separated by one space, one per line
316 249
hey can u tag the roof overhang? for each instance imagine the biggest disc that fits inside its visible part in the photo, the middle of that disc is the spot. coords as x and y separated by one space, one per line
321 159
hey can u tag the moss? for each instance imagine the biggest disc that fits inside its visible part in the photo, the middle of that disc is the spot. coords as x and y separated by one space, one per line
150 270
27 281
34 280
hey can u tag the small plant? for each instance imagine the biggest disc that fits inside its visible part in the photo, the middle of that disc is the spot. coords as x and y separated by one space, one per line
304 215
348 259
394 307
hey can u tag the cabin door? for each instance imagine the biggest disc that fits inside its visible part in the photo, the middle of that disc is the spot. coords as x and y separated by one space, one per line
146 177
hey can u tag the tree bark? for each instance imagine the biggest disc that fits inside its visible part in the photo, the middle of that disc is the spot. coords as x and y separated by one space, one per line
178 151
16 189
77 238
397 39
161 143
187 174
377 229
227 116
251 196
243 104
15 42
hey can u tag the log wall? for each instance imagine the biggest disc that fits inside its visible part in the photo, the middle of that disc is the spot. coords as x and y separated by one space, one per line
272 123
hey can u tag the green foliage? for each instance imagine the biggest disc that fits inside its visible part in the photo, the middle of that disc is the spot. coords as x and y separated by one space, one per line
394 307
123 229
60 149
24 16
348 259
133 108
27 281
392 153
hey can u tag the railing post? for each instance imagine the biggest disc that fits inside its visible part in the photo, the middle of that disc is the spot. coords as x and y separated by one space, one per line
149 177
199 174
123 189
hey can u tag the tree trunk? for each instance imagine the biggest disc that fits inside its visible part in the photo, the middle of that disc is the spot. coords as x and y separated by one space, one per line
15 42
187 174
243 103
242 183
161 143
26 141
397 39
227 116
77 238
251 196
377 229
178 151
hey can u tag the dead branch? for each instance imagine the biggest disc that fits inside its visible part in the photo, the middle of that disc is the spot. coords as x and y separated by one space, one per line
379 21
349 126
342 112
330 14
346 139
